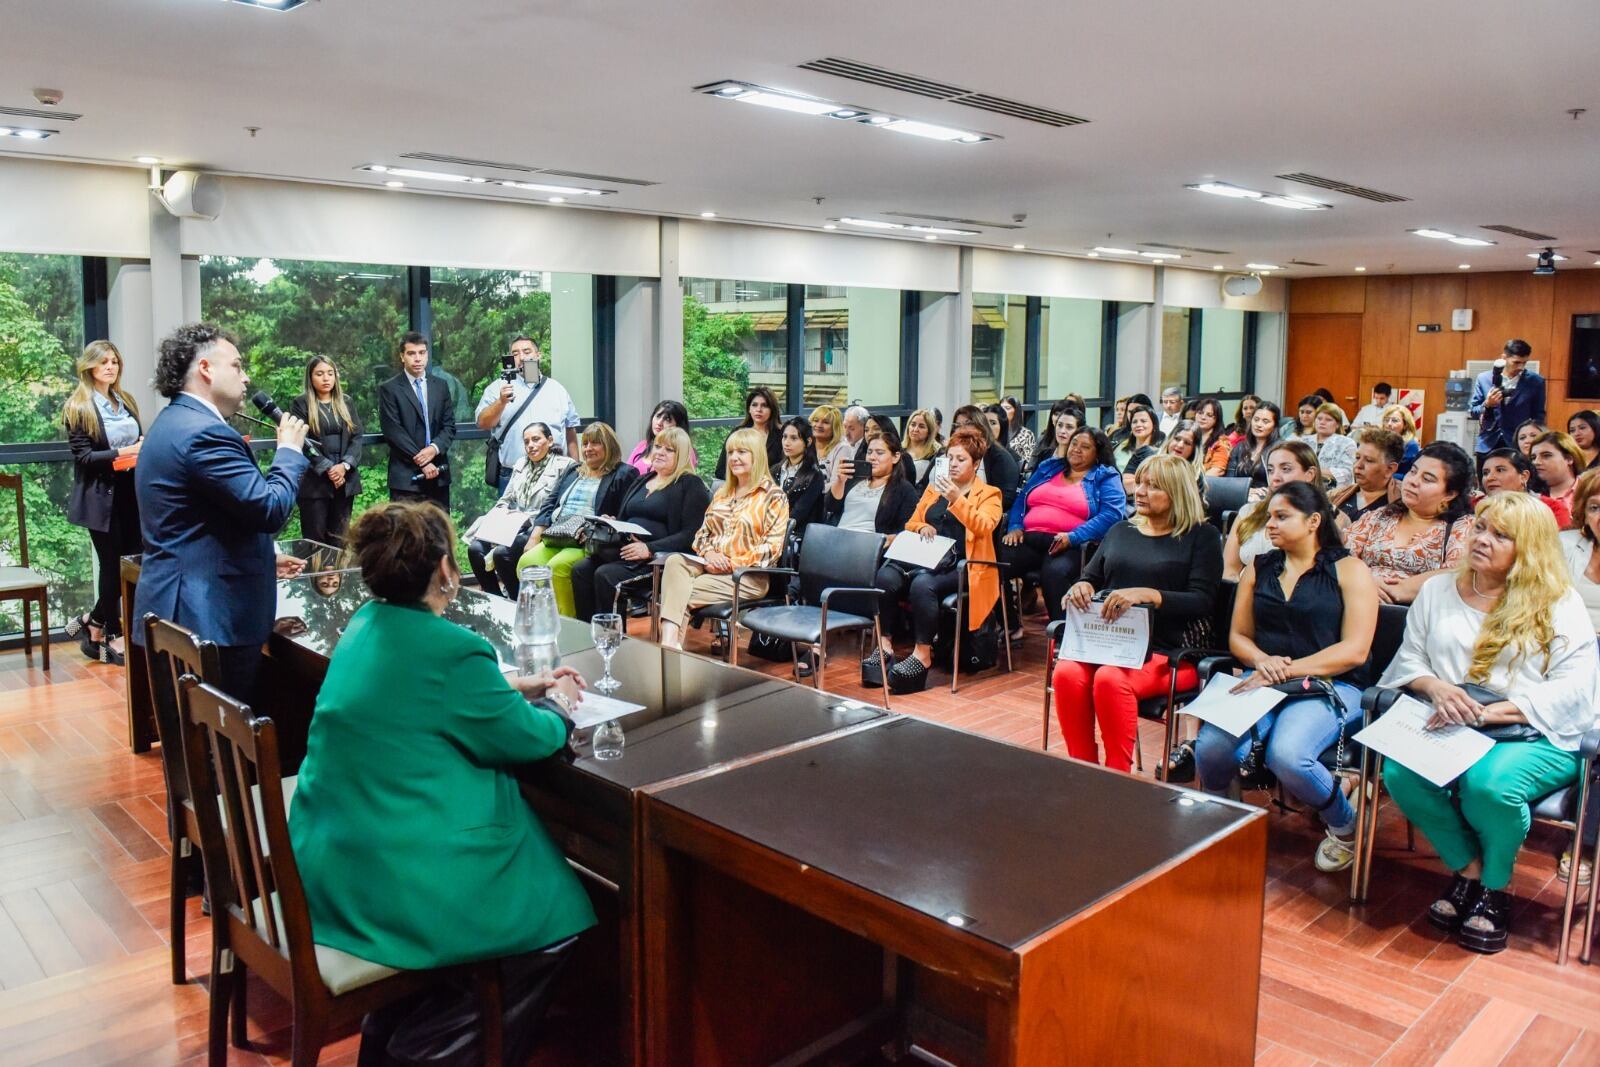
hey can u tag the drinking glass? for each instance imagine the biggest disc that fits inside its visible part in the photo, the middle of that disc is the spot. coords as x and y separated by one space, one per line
606 629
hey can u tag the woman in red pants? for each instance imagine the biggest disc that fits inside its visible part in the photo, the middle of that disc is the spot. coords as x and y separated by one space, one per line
1166 559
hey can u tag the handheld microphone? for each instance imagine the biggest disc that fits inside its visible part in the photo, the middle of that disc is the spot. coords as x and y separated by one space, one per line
444 468
267 406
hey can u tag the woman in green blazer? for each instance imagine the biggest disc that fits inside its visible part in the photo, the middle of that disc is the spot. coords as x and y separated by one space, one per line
415 845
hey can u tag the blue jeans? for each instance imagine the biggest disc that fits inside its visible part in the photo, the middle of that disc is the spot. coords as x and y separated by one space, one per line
1297 732
505 480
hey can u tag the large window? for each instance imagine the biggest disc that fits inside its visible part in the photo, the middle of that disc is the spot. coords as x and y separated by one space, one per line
999 346
852 346
1072 355
1222 350
735 335
1175 347
1040 349
41 337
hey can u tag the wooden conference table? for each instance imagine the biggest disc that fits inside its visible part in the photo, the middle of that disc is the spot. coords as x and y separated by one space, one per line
788 876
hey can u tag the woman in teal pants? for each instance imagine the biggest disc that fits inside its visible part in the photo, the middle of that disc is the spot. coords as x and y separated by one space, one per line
1507 620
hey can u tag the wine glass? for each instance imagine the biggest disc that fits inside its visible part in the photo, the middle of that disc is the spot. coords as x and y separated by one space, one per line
606 629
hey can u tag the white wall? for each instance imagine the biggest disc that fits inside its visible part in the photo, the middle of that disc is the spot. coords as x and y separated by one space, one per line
1035 275
71 209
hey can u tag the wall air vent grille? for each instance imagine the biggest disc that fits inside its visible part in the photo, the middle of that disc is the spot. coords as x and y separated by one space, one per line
937 90
1345 187
957 222
596 177
40 113
1306 263
1517 232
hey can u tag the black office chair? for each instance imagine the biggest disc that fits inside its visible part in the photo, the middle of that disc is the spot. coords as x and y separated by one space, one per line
956 604
1223 495
833 563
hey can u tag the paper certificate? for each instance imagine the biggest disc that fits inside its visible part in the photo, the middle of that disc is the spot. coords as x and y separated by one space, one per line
596 708
1088 638
500 526
1232 713
911 548
1441 756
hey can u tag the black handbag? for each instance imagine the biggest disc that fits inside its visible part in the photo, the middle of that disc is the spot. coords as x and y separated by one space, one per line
604 540
567 533
1505 731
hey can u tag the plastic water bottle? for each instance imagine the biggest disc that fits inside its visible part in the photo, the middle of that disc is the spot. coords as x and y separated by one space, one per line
537 624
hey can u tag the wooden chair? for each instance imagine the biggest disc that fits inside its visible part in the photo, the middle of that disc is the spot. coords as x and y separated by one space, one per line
262 920
24 583
173 652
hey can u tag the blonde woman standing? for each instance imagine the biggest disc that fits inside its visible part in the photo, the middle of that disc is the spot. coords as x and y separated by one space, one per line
104 433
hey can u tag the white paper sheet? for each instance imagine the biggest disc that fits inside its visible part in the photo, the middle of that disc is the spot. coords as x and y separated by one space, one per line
912 549
500 526
1441 756
597 708
1234 713
1088 638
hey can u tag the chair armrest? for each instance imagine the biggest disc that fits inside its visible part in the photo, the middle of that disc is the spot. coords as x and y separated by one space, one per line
1589 746
739 573
1208 664
1377 699
857 590
1053 630
1198 655
999 565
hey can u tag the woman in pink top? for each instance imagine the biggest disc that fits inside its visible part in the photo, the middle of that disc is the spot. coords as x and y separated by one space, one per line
667 413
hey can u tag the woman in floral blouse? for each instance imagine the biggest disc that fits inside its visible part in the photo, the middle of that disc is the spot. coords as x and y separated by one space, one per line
1424 532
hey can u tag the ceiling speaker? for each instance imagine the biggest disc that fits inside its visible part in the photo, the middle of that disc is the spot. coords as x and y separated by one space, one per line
189 194
1241 285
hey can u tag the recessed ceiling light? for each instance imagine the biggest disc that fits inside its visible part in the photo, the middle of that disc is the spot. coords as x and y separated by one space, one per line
708 214
420 175
1218 266
1296 203
879 120
272 5
1225 189
932 131
556 200
931 237
845 113
1115 251
1438 235
1262 266
1093 255
1018 248
801 103
559 190
1557 257
377 168
1463 266
878 224
830 225
1475 242
1360 269
392 184
148 161
32 135
1160 255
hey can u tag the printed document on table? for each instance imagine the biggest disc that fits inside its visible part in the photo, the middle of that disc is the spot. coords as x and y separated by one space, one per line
912 549
1233 713
500 526
1086 637
1441 756
597 708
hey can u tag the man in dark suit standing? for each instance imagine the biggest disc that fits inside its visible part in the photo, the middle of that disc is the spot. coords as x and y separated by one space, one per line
207 513
418 423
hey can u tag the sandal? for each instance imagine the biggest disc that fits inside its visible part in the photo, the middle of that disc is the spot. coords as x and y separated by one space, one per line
77 623
1487 923
908 676
90 648
1447 912
111 655
1180 763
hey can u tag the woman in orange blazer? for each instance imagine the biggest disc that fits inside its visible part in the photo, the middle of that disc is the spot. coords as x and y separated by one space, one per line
958 505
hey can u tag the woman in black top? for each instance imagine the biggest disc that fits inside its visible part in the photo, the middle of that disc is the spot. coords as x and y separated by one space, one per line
671 504
1166 559
1248 458
801 480
1000 467
760 413
1143 441
328 491
1307 609
883 474
102 424
999 426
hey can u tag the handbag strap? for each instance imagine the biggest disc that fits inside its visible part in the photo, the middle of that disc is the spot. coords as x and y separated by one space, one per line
498 434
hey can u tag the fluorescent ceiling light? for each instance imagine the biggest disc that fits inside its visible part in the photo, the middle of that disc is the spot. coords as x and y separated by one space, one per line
1360 269
1464 266
876 224
708 214
800 103
556 200
26 134
1262 266
148 161
1225 189
1115 251
931 237
1438 235
425 175
1160 255
1093 255
1297 203
872 224
783 102
1018 248
1476 242
559 190
1558 257
830 225
931 131
1218 266
272 5
392 184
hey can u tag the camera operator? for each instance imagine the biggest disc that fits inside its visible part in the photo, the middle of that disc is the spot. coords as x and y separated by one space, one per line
520 396
1505 397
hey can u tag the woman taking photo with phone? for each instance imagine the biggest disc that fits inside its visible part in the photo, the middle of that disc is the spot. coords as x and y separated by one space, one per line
104 433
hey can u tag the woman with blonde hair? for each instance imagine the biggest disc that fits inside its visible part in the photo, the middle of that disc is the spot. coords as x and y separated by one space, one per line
594 486
1166 559
329 489
1558 461
104 433
1506 620
827 433
1397 418
1336 451
745 526
922 442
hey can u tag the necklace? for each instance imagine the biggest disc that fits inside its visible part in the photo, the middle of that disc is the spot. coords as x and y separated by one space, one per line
1479 593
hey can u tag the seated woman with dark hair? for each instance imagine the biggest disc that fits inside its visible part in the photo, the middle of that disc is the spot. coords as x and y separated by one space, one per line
1248 458
880 500
1072 498
801 480
960 506
1062 413
999 427
668 413
1123 429
1239 428
1143 441
1508 620
1421 534
532 481
1377 458
1558 462
1287 461
670 503
855 463
1216 443
415 846
1505 470
1023 441
1584 429
999 467
1306 609
1167 559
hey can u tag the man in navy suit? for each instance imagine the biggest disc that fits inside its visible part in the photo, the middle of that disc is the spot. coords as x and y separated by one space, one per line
1505 398
207 513
418 422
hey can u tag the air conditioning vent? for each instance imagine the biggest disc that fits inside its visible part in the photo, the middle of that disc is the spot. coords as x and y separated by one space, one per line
1186 248
1306 263
596 177
956 222
521 168
937 90
1515 232
1345 187
40 113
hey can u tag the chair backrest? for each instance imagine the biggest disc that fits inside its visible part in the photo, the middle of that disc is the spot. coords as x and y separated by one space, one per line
13 482
830 556
1222 612
1386 639
1226 494
232 757
171 652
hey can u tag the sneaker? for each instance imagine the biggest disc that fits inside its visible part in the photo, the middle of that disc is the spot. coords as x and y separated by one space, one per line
1563 869
1335 853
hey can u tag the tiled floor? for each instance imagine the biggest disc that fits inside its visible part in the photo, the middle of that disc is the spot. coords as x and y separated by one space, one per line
83 959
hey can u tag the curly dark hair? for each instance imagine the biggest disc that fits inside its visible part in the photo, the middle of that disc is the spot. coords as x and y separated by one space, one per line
178 352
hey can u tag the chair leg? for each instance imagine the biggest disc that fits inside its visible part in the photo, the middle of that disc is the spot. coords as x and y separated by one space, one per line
1594 899
877 644
44 631
491 1003
224 987
27 629
955 653
241 1006
1572 868
1005 632
1359 860
1049 674
822 662
310 1033
175 913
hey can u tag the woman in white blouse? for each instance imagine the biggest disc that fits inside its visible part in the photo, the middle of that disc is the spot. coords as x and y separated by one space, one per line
1581 545
1508 620
1336 453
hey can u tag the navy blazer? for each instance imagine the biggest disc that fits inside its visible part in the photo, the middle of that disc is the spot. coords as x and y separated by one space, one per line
400 422
1499 423
208 516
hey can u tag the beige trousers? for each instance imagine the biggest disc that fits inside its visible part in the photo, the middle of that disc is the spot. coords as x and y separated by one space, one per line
686 586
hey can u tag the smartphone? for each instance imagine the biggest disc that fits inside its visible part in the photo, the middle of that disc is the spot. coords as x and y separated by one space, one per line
530 372
941 469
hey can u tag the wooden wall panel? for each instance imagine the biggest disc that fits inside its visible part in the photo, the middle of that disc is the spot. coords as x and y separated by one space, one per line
1386 330
1506 305
1433 297
1328 296
1323 350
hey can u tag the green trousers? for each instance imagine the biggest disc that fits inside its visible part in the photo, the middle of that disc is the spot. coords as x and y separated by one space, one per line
1484 813
560 562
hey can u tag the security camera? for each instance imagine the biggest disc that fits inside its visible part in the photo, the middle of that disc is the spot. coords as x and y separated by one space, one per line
48 97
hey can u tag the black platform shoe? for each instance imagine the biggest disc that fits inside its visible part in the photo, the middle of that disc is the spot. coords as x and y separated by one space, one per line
1448 911
872 669
908 676
90 648
1487 922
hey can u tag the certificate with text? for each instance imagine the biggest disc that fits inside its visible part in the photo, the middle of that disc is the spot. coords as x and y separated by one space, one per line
1087 637
1441 756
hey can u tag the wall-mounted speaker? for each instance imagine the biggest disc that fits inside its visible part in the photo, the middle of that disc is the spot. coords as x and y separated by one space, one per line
189 194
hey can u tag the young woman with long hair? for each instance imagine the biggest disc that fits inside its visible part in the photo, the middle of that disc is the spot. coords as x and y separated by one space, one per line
668 413
328 491
1287 461
1215 442
761 413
